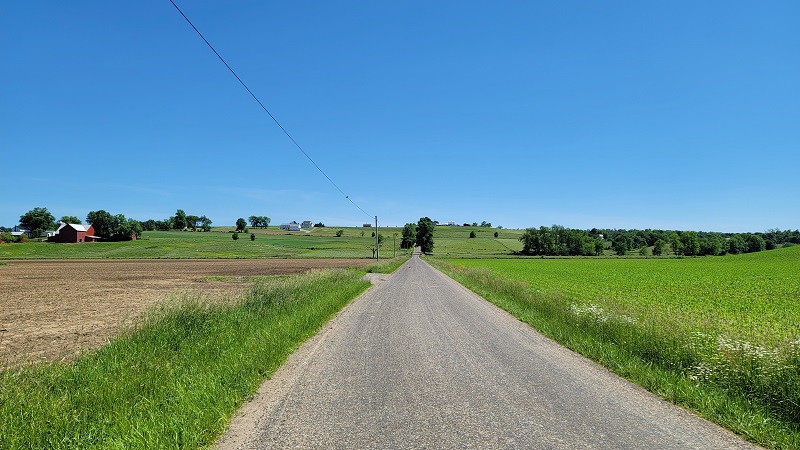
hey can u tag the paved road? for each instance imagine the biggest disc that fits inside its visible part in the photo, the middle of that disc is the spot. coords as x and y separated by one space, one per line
420 362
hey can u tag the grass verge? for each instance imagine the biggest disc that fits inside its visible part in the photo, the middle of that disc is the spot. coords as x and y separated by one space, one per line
657 361
177 378
387 265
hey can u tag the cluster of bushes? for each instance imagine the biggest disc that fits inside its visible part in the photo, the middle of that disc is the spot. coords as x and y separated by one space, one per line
7 238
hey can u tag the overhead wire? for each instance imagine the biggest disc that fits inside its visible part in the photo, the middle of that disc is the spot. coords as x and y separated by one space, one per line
267 110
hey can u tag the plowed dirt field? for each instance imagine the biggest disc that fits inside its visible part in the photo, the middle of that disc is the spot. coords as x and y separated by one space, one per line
52 310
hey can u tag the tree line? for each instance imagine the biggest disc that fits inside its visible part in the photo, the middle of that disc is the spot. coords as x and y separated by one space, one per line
111 227
180 221
560 241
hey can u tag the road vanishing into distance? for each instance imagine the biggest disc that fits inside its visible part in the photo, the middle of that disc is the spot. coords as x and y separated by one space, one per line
419 361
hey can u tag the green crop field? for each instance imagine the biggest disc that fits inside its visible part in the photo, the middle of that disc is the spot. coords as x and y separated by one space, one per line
753 298
720 335
269 243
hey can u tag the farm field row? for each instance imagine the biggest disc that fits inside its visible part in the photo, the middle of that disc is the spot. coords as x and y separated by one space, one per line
753 298
718 335
53 310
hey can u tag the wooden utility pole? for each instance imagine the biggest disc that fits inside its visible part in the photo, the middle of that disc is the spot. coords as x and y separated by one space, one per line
377 249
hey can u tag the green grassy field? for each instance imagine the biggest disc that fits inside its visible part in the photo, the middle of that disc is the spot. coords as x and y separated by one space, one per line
269 243
454 242
177 378
719 335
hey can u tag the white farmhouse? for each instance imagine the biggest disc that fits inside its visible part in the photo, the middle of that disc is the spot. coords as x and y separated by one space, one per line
306 224
293 226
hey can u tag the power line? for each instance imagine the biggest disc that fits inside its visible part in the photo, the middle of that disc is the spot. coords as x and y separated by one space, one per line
265 109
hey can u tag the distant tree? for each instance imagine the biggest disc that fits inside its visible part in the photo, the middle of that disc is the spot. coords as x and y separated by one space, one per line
643 251
205 223
149 225
38 220
472 234
259 221
676 244
240 225
755 243
409 234
658 247
179 222
486 224
620 245
736 244
599 246
425 235
126 228
252 236
340 233
113 227
164 225
235 236
373 234
474 224
70 219
319 225
496 234
191 222
105 225
711 245
690 243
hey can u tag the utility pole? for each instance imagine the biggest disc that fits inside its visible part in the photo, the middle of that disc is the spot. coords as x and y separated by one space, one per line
377 250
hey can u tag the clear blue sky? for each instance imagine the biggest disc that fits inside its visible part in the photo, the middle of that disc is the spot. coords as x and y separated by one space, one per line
670 115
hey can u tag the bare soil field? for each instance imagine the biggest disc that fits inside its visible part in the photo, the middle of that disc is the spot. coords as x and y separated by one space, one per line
53 310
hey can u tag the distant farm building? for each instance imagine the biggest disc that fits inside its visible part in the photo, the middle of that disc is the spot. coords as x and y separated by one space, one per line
293 226
19 231
367 225
306 224
73 233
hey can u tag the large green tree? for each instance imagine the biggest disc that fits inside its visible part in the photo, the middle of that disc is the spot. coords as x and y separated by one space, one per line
105 225
71 219
409 236
259 221
179 222
113 227
191 221
205 223
241 224
425 235
690 243
38 220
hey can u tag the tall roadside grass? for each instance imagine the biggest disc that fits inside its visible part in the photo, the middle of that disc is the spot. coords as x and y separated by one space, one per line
753 394
388 265
176 379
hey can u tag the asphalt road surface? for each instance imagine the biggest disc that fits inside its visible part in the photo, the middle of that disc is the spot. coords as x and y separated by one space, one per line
418 361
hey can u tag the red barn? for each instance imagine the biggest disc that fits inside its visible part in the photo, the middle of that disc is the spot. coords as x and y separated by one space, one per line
74 233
